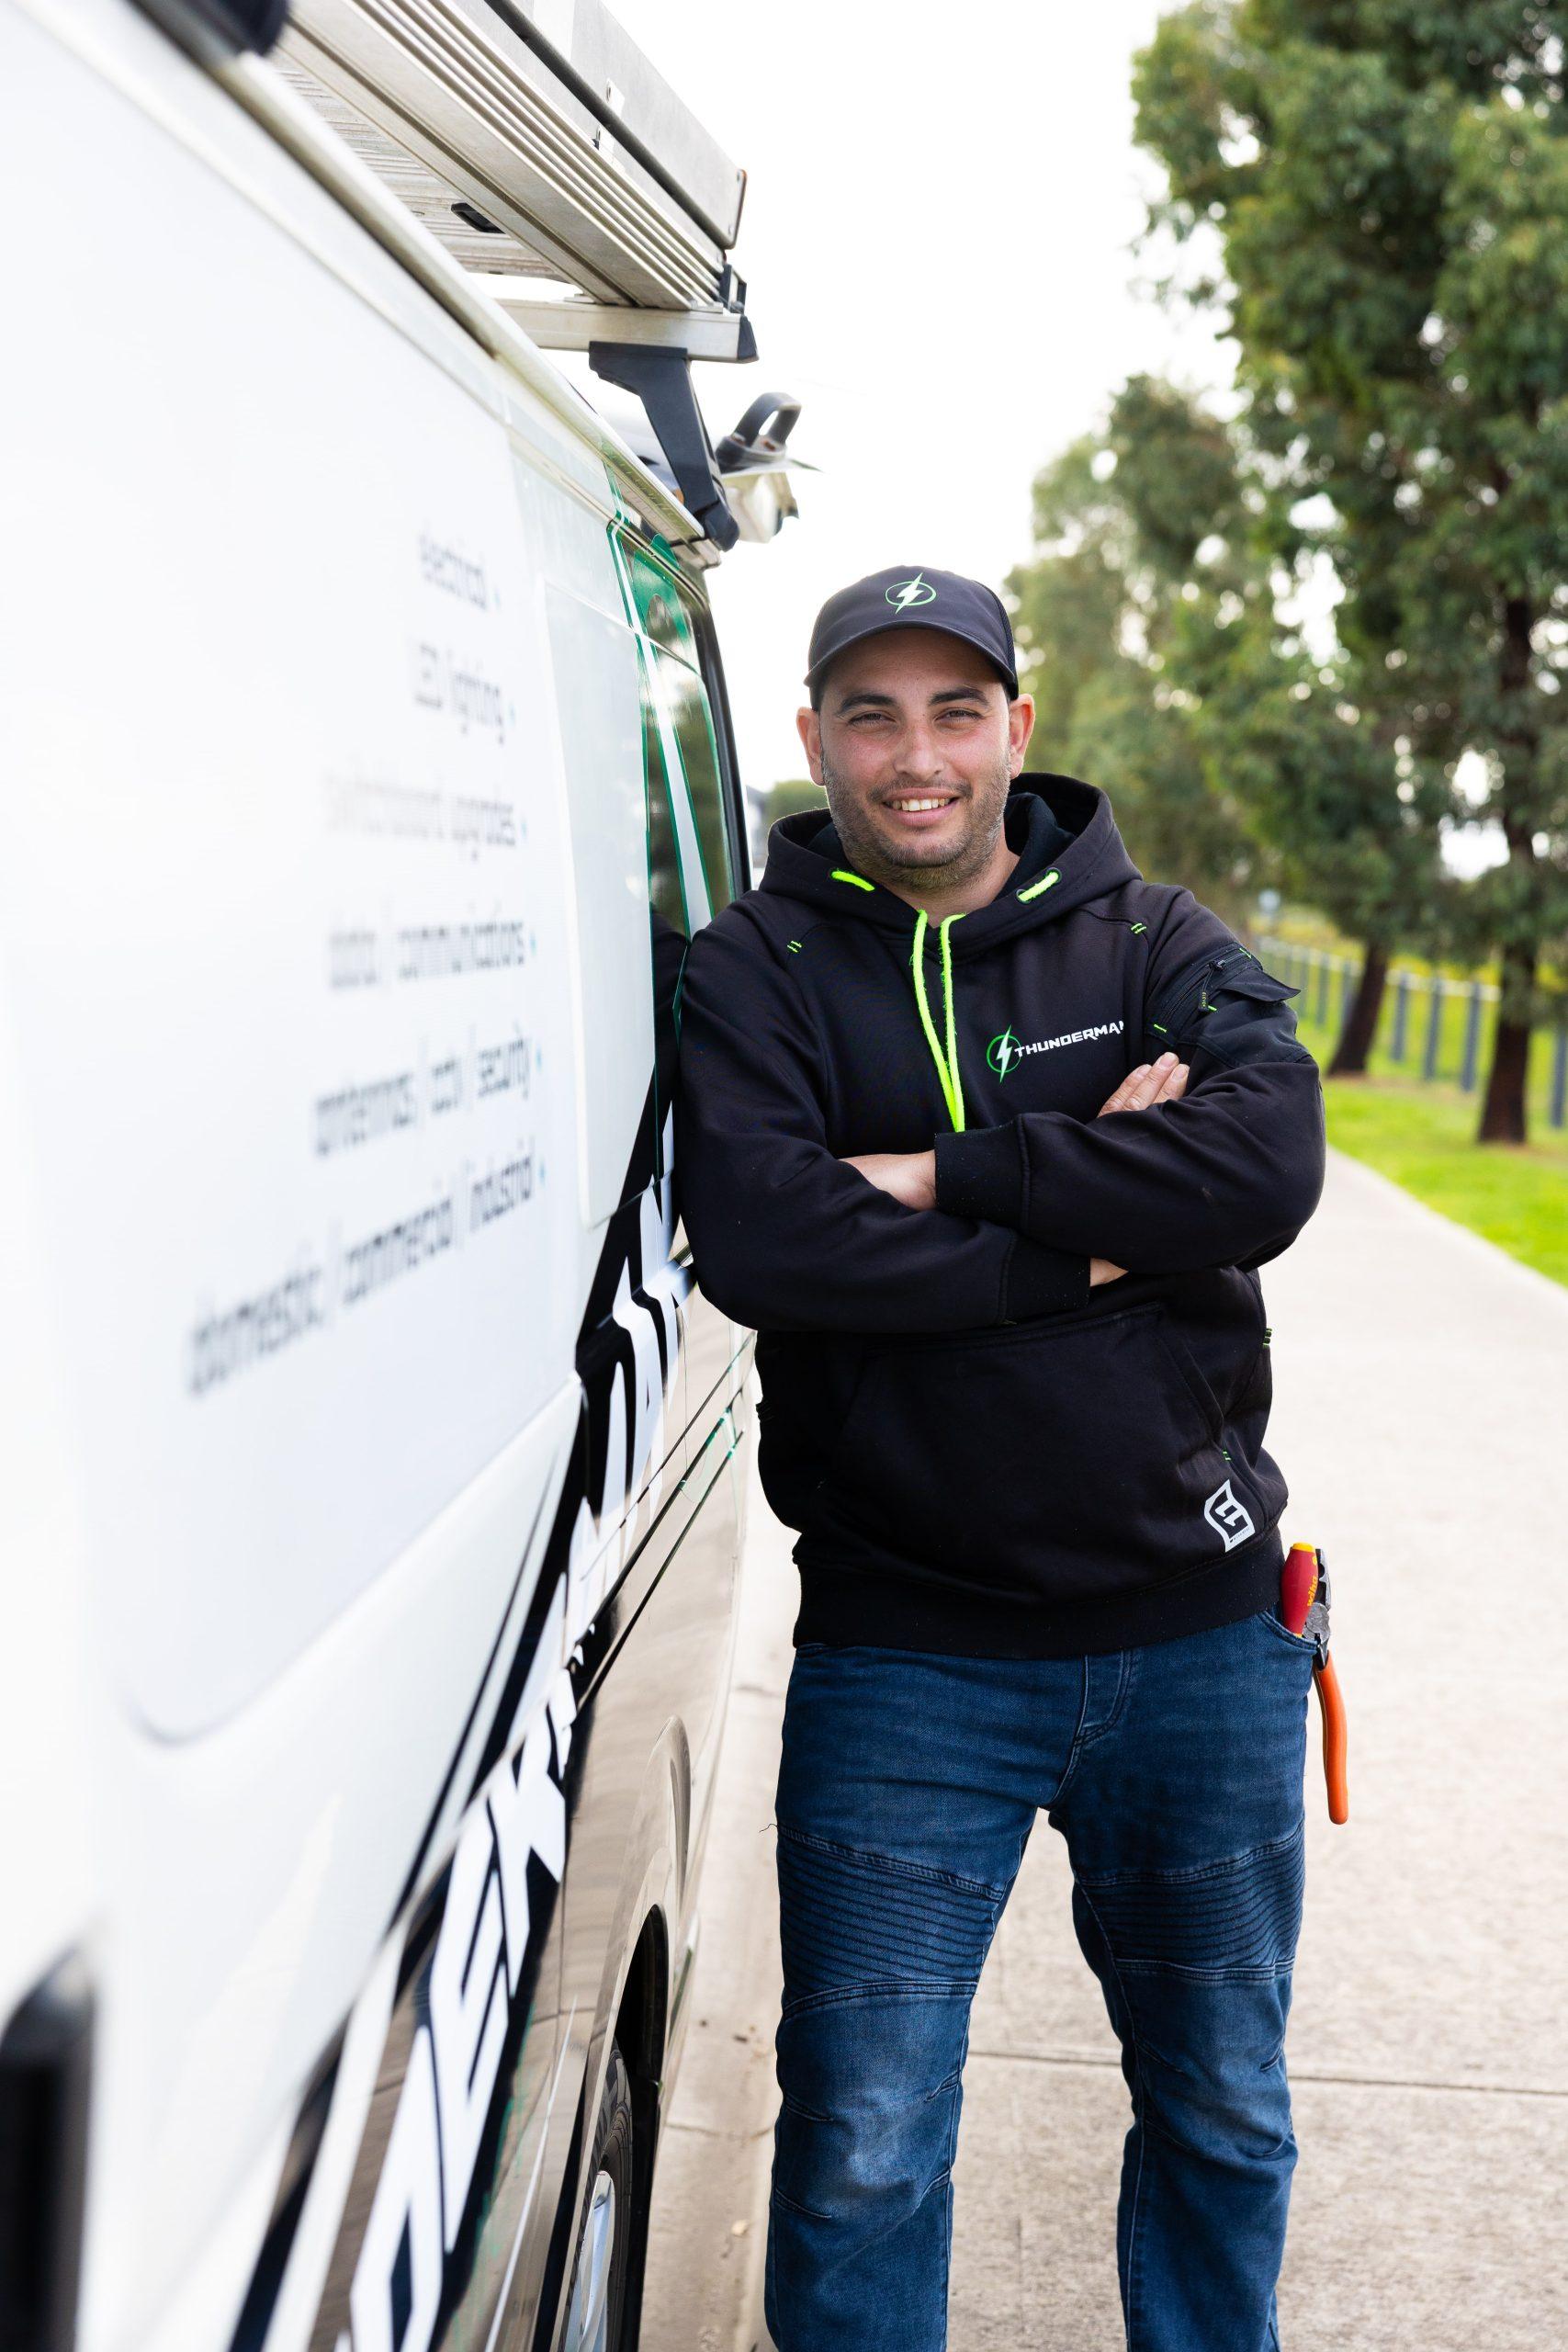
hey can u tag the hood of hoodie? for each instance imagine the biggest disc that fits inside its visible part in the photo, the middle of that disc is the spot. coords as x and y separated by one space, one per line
1070 852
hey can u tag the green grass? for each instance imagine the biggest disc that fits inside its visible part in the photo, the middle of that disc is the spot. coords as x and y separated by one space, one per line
1453 1013
1423 1135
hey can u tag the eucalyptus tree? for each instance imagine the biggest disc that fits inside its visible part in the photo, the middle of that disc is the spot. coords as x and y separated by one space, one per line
1093 612
1387 184
1154 621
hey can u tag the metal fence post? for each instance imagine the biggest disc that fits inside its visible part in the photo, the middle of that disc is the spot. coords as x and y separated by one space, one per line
1322 962
1472 1038
1400 1015
1346 970
1434 1028
1559 1111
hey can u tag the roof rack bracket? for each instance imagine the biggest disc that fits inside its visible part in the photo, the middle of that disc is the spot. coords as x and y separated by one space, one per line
661 379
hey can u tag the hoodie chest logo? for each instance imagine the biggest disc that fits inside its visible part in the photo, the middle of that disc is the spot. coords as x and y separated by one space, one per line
1005 1052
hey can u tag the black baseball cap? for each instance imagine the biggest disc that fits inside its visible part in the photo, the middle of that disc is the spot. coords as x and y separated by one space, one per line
907 596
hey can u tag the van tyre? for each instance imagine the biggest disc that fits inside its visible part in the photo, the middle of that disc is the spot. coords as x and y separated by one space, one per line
596 2304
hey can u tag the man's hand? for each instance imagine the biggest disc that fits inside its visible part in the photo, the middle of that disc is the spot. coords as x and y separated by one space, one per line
1151 1082
909 1176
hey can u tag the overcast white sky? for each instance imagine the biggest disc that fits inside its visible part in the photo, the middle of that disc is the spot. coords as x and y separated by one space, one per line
936 238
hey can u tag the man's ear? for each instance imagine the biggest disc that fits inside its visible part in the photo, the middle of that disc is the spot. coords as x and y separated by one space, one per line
809 726
1020 727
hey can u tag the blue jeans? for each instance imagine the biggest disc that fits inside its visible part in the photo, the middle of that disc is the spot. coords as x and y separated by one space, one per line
909 1786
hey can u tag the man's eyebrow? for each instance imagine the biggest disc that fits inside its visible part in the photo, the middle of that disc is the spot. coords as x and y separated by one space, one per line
889 701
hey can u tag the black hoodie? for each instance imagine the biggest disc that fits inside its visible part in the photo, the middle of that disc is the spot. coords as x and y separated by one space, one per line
981 1454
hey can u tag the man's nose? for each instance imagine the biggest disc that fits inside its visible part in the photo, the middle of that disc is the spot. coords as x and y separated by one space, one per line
920 759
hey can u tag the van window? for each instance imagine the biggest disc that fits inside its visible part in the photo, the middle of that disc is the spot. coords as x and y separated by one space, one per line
666 893
691 865
660 607
668 618
686 702
669 919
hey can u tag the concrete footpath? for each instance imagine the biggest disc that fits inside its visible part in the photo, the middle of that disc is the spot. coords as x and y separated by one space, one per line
1422 1417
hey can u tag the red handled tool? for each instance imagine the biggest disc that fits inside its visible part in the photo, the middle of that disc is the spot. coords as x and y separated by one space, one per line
1304 1607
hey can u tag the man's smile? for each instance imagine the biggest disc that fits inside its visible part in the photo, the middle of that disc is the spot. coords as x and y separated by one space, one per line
920 809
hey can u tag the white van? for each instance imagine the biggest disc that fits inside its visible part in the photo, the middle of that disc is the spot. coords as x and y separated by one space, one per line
373 1478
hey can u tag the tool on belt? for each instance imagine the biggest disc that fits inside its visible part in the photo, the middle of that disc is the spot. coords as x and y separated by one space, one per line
1304 1607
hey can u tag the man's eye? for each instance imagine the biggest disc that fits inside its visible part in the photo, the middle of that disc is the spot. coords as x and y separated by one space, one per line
960 712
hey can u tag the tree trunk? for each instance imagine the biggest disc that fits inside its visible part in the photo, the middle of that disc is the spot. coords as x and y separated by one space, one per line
1361 1020
1504 1119
1503 1114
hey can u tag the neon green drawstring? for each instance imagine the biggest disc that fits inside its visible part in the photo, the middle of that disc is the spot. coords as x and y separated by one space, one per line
946 1063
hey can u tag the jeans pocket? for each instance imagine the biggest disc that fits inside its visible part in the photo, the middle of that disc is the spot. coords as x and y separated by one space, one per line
1281 1631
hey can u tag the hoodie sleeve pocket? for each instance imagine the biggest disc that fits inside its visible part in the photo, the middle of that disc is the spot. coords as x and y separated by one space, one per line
1230 1011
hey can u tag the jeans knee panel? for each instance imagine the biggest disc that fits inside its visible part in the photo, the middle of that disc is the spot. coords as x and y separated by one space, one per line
851 1921
868 2144
1234 2116
1239 1917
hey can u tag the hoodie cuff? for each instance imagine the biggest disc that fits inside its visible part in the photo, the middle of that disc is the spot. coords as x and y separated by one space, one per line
1042 1281
980 1173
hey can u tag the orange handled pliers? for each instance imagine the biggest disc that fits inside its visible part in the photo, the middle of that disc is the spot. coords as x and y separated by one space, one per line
1304 1607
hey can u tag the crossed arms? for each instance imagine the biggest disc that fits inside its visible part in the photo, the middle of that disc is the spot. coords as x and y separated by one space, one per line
1223 1168
910 1176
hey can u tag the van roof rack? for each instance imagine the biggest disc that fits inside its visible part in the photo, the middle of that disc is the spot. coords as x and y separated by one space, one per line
538 144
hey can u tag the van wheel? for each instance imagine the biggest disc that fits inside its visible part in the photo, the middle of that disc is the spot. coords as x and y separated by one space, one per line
596 2312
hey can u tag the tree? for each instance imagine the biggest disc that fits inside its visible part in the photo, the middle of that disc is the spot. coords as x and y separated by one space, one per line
1324 785
792 797
1388 183
1152 624
789 798
1093 612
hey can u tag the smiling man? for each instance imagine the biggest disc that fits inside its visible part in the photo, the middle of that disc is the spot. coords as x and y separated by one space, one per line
987 1137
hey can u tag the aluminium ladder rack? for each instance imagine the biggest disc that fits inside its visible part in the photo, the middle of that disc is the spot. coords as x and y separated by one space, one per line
540 148
538 144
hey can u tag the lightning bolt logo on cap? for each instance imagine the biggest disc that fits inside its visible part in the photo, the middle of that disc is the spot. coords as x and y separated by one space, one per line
905 592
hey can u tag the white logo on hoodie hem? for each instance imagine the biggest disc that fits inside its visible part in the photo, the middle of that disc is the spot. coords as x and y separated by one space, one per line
1229 1517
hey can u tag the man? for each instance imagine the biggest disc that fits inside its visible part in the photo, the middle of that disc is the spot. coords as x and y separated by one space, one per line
987 1137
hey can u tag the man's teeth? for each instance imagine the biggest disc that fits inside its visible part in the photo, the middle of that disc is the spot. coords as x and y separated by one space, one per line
944 802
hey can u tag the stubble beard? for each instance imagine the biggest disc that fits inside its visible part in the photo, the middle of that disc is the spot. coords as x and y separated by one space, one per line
987 803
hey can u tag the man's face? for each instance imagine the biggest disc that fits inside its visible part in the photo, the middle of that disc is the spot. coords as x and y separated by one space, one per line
915 745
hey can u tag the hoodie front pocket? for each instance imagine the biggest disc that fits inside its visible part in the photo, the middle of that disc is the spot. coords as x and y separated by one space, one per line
1051 1457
